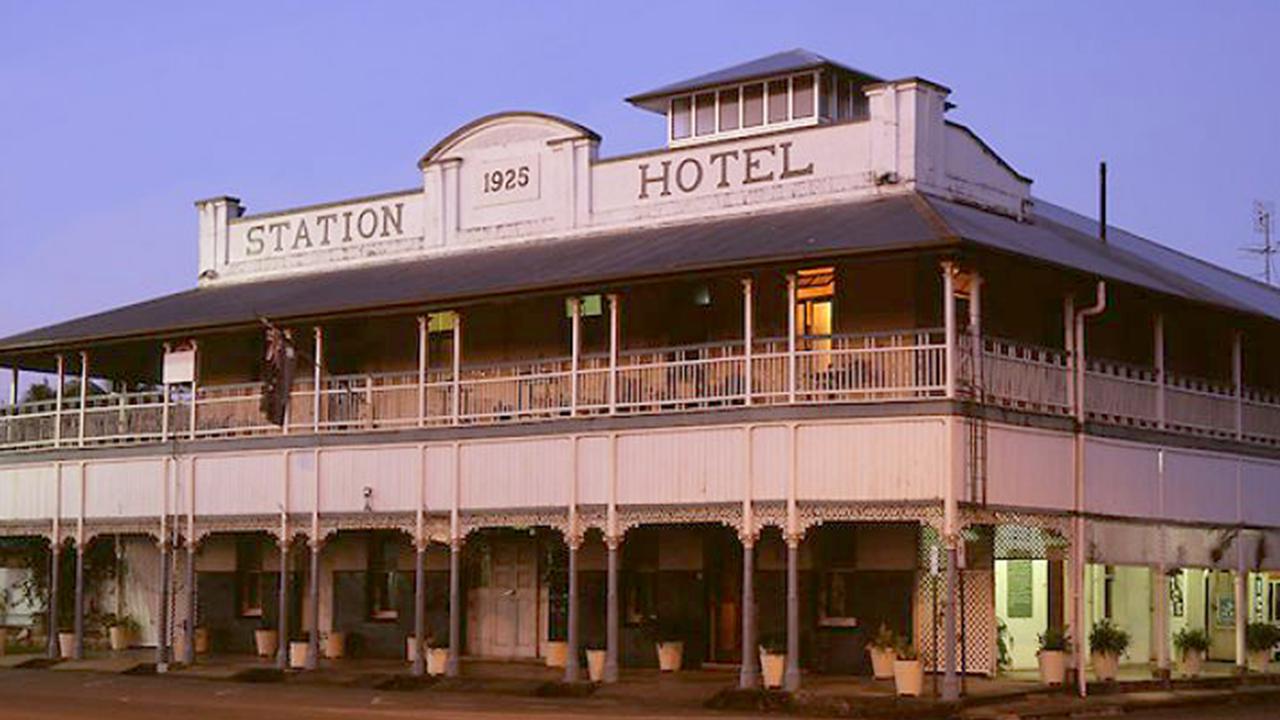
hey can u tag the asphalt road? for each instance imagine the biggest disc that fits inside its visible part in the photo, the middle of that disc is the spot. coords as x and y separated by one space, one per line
43 694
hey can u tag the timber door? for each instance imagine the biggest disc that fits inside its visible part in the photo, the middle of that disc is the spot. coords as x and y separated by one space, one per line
502 608
1221 619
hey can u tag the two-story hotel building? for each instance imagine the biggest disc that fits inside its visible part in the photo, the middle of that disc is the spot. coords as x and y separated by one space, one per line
823 363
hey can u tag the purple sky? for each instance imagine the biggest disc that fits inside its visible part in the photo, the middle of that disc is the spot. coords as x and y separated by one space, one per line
117 116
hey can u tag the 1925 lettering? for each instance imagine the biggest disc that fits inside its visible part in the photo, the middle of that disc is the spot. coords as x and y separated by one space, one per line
509 179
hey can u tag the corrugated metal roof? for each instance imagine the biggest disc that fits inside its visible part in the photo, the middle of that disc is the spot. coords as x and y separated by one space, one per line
882 224
783 62
1058 236
900 222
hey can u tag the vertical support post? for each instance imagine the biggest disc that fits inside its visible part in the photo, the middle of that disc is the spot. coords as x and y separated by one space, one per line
1158 351
611 612
55 571
423 345
84 396
162 614
317 379
613 353
1242 606
950 682
282 611
791 337
456 397
452 668
791 677
57 408
419 604
13 386
189 652
195 394
575 352
1160 586
1237 380
313 630
748 339
749 676
571 666
949 325
77 651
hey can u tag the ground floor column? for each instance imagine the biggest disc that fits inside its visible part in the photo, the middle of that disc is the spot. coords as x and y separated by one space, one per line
571 666
455 609
1242 614
282 611
1160 587
313 629
189 652
162 612
54 571
791 679
611 613
77 651
419 606
950 682
749 675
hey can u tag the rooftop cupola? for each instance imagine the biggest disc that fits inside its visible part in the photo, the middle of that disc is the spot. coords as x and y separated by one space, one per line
782 91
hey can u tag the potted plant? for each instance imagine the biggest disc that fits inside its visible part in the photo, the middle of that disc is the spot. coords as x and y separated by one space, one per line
266 639
669 642
1260 639
437 655
411 647
557 650
4 617
335 644
773 659
1055 644
595 662
202 640
883 649
299 650
908 671
1191 645
121 631
66 644
1107 643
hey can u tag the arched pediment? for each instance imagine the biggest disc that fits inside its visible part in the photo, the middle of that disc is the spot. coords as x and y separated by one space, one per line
506 128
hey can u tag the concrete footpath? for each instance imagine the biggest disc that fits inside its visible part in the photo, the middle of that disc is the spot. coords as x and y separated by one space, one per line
697 691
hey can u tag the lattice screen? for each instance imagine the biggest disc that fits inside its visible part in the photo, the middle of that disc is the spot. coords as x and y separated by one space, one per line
976 619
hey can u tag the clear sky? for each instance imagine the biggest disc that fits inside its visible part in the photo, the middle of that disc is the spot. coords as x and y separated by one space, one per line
114 117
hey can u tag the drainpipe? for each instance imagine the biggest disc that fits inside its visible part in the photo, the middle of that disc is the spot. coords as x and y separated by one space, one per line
1077 585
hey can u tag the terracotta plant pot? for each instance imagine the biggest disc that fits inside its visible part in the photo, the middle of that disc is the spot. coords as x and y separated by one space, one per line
882 662
335 645
437 660
772 667
670 655
557 654
118 637
266 642
66 644
1105 666
1192 663
298 652
595 665
1053 666
1259 660
202 641
908 677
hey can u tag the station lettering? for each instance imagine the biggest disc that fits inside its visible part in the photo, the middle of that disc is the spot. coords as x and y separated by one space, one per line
324 230
725 168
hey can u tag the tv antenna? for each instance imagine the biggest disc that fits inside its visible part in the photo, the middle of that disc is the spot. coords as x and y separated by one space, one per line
1264 214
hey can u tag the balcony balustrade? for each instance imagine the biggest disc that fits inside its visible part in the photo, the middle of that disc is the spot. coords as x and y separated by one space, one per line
877 367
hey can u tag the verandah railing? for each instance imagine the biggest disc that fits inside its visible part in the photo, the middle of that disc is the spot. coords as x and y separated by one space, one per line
871 367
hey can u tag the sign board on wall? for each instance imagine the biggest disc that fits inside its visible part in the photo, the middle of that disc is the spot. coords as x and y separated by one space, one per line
179 367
